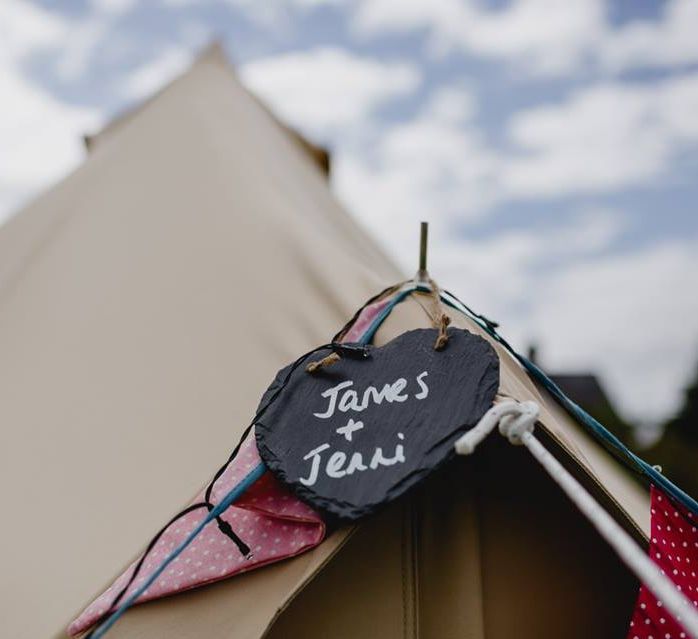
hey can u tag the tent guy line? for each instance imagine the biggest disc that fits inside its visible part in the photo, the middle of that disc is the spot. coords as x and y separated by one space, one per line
516 421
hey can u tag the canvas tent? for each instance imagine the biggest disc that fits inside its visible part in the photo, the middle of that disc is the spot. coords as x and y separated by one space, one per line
145 304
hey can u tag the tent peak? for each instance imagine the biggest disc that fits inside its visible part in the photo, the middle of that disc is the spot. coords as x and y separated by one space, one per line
212 54
214 50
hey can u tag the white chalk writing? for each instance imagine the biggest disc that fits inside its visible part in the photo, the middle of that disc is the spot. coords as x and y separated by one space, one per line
343 398
349 399
335 467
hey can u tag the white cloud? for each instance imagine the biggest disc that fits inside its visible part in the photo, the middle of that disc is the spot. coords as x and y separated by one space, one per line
540 36
78 50
454 104
324 90
273 15
439 18
602 138
41 136
546 36
87 35
314 4
152 75
498 273
591 231
433 166
438 166
114 7
24 27
666 42
633 316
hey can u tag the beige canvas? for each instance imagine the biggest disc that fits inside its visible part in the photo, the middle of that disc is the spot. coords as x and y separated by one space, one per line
145 304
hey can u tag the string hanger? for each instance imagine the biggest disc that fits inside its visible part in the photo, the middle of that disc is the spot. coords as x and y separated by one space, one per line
440 318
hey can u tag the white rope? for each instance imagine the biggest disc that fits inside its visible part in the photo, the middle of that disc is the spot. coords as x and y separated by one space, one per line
516 422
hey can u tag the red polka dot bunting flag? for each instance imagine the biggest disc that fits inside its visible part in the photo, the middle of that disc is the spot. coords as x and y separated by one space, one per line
674 548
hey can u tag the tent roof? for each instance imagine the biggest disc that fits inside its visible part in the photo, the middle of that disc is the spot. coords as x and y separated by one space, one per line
145 302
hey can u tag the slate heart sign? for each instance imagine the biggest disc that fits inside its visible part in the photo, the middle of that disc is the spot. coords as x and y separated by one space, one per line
353 436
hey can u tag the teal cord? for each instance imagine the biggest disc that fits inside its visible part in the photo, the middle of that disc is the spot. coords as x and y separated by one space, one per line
231 496
594 427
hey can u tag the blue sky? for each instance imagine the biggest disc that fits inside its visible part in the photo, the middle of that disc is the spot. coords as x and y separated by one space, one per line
552 145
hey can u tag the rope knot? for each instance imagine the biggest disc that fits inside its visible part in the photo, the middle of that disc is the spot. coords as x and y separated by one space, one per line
514 419
514 425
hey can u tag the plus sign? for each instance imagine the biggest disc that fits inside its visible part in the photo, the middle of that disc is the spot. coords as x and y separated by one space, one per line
349 429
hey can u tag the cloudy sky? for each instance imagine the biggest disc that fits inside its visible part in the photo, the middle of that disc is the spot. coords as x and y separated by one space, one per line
553 145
